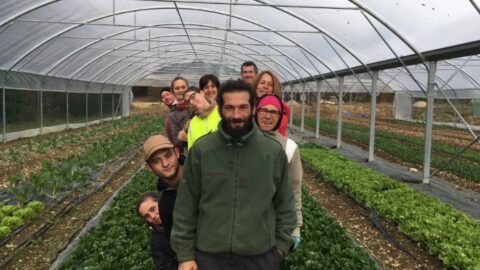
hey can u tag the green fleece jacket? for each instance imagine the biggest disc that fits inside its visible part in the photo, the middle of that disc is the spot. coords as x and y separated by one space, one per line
234 197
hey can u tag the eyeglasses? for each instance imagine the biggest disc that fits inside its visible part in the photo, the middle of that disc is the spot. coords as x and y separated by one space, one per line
264 112
189 100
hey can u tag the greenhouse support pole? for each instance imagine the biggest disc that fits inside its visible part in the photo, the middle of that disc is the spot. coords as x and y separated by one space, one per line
40 104
432 68
101 103
68 107
113 103
302 122
121 103
340 111
373 108
291 105
308 103
4 111
86 104
317 119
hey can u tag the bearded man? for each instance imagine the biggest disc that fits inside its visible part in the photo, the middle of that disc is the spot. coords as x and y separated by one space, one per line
235 207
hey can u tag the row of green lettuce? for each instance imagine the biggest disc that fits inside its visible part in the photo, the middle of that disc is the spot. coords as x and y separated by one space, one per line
394 144
73 171
12 217
121 241
17 152
446 232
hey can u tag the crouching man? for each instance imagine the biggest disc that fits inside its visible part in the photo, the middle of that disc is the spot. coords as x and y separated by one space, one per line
163 159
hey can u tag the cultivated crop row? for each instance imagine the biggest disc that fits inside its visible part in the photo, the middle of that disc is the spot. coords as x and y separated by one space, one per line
121 241
12 217
75 171
446 232
16 153
325 244
393 144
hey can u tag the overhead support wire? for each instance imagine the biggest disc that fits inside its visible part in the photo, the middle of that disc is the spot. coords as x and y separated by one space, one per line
172 26
113 12
389 27
322 31
472 79
294 69
318 71
185 28
440 89
458 70
128 11
394 53
12 18
475 6
228 25
345 63
392 78
477 139
256 5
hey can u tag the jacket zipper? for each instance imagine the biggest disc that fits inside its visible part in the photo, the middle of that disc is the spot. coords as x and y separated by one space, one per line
237 152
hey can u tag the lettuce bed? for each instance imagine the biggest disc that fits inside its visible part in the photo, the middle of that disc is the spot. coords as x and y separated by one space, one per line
121 241
448 233
394 144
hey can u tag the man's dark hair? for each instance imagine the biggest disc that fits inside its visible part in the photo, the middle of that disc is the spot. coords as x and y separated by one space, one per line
248 64
206 78
238 85
176 79
191 89
154 196
164 89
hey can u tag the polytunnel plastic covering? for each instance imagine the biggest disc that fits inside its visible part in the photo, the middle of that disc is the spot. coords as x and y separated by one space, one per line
119 42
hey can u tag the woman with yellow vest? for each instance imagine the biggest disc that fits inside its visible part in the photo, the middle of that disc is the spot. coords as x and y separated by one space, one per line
204 102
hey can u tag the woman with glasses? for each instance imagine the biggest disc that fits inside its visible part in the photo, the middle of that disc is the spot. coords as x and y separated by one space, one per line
268 116
266 82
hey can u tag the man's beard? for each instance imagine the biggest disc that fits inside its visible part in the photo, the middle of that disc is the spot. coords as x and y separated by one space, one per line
237 132
174 175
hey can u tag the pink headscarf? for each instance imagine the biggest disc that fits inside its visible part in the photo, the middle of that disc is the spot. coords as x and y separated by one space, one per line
270 100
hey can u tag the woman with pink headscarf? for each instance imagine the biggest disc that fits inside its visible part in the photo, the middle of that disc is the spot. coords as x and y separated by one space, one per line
268 116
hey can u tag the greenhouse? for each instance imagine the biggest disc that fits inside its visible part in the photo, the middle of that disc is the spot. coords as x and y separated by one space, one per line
383 102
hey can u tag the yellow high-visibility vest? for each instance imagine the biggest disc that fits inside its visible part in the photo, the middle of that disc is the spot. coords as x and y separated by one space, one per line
202 126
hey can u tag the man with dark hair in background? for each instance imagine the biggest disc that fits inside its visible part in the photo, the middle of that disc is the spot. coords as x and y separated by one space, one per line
235 207
248 70
168 99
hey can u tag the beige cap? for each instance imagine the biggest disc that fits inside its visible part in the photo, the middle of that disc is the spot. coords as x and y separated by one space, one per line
155 143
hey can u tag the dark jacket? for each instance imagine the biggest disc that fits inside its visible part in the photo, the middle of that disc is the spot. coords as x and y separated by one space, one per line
234 197
178 118
163 256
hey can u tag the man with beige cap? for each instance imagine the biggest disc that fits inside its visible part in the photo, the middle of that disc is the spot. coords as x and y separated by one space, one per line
163 159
